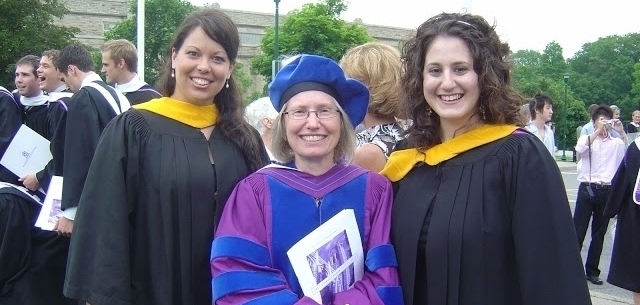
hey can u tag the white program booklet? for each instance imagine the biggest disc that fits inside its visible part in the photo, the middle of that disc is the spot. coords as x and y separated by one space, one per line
330 258
51 208
28 153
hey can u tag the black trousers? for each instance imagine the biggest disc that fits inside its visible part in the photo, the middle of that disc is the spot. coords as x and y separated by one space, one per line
590 207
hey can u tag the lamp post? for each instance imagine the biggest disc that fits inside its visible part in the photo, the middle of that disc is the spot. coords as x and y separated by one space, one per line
564 119
275 64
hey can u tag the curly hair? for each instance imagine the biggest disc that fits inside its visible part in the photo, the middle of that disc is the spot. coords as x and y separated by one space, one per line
500 101
377 66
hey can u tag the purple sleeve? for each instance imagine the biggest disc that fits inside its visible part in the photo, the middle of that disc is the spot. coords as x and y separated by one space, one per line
241 255
380 283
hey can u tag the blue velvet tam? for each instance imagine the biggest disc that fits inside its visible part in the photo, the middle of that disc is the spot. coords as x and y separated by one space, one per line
313 72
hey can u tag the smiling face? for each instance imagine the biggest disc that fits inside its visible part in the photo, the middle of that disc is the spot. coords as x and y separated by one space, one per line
450 84
312 140
202 68
49 78
26 81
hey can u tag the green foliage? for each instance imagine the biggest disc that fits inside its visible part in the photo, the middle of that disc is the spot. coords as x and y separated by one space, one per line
244 81
544 73
602 72
96 56
314 29
26 27
635 87
162 18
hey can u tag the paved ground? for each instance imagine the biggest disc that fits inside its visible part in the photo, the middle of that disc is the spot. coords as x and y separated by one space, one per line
606 294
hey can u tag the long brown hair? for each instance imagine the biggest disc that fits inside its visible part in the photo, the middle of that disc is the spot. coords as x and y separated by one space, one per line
221 29
500 101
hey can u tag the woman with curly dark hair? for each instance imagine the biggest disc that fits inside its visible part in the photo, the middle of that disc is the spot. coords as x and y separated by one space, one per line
480 213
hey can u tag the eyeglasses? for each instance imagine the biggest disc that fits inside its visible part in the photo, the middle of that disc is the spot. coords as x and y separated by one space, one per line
300 114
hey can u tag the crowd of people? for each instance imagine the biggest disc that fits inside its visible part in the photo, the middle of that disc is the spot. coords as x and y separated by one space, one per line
178 194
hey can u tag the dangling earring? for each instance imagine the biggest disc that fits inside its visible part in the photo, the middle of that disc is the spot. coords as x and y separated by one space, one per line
173 73
484 115
227 84
429 111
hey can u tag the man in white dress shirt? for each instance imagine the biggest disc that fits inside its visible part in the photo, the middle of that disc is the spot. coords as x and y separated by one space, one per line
541 108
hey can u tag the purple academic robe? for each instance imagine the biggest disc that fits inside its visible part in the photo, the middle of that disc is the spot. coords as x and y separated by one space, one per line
272 209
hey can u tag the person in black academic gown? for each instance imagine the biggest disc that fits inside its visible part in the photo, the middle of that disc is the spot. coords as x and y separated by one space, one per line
119 65
91 108
11 115
480 213
624 201
160 177
32 260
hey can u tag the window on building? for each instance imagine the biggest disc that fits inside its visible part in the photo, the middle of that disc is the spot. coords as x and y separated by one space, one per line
248 39
107 25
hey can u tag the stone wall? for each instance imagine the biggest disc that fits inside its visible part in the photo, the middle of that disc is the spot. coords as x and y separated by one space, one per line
93 17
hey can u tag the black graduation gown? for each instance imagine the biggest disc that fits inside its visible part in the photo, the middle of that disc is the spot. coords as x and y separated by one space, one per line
10 121
34 260
142 95
624 270
88 114
58 121
144 227
499 229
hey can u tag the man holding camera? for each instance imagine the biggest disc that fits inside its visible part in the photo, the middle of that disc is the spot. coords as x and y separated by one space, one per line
601 155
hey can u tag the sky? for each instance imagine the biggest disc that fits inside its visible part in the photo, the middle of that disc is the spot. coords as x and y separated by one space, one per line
523 24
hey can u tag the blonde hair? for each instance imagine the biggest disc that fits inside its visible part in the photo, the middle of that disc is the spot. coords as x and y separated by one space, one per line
344 150
377 66
122 49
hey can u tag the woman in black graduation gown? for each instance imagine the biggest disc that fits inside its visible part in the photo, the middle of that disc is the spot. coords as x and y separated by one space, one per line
624 201
160 177
480 213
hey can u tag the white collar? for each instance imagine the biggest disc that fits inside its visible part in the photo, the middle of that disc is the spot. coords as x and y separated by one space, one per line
62 88
37 100
134 85
92 77
59 93
56 96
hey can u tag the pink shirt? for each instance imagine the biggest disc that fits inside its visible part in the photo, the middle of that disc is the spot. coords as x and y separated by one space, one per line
606 155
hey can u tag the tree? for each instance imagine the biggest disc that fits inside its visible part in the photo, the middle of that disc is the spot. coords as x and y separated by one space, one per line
314 29
27 28
167 15
162 18
602 72
635 87
245 83
552 63
544 73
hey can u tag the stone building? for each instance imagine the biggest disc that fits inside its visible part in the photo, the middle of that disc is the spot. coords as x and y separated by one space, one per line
94 17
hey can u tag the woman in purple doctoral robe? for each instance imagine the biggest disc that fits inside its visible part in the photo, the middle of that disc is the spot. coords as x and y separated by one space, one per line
271 210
